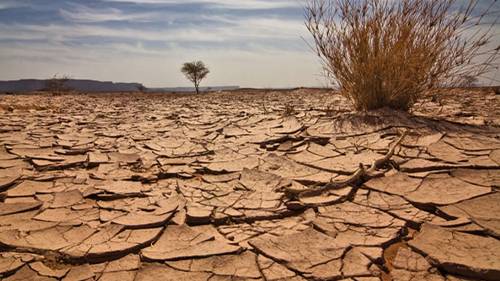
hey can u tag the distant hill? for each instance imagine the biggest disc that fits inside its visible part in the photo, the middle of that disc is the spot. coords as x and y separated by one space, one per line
32 85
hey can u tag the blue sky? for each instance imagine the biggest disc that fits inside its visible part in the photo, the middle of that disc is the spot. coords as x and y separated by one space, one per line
254 43
251 43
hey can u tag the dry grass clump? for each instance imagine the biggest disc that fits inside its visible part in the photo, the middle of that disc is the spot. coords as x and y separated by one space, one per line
388 53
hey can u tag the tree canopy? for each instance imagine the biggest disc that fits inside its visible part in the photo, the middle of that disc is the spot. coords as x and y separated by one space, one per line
195 72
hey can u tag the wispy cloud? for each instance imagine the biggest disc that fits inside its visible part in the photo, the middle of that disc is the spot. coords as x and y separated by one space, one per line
246 31
83 14
232 4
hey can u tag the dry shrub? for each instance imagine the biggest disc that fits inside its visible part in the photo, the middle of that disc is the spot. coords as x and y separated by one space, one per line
388 53
57 84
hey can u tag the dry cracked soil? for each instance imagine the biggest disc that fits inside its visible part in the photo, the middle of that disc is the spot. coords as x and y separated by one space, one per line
255 185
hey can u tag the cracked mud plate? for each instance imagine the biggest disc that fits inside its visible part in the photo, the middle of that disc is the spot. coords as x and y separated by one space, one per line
223 186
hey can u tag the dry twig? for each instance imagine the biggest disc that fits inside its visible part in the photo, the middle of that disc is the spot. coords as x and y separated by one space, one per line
361 174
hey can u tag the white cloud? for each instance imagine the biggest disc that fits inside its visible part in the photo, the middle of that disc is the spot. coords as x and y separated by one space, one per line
84 14
232 4
246 31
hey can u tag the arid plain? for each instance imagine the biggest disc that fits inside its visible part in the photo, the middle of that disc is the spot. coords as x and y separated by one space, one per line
248 185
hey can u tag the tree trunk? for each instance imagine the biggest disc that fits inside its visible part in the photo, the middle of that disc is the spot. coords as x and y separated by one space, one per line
196 86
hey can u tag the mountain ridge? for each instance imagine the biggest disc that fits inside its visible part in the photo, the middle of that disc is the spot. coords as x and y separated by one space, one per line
80 85
95 86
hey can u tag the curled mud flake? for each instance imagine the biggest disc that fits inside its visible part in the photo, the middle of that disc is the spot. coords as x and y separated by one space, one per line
459 253
483 211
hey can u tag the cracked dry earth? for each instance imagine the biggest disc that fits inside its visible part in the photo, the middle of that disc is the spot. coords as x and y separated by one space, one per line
248 186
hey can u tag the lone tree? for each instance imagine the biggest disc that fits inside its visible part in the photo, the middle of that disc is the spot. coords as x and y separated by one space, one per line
388 53
195 72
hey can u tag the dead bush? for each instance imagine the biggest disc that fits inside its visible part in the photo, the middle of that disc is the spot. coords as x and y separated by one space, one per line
57 84
385 53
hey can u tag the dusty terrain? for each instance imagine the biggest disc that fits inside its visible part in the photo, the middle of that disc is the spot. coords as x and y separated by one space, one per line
248 186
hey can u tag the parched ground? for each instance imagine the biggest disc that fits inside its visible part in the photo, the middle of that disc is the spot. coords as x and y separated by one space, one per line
249 185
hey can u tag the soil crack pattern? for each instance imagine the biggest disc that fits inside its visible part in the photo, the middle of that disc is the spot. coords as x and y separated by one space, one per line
225 186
